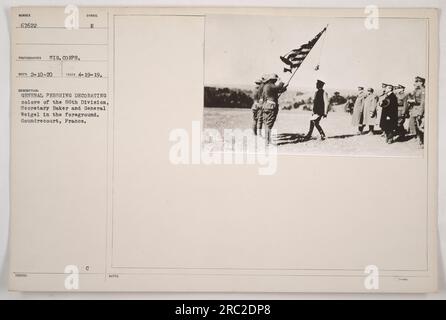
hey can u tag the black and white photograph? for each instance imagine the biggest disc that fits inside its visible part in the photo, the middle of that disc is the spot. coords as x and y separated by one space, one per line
324 86
228 152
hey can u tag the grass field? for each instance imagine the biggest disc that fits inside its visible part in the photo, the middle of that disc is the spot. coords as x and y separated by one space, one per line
292 125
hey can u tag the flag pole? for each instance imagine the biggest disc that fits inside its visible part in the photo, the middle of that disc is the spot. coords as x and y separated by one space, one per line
289 80
292 76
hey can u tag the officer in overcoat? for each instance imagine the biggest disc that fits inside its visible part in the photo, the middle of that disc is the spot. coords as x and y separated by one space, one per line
358 110
381 97
370 110
389 114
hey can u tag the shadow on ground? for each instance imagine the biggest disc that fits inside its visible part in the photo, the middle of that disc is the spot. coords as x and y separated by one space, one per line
343 136
293 138
289 138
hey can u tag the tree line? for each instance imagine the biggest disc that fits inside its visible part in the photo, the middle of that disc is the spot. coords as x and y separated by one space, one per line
238 98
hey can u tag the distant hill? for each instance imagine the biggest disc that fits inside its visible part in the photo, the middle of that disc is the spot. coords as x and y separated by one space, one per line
215 97
241 97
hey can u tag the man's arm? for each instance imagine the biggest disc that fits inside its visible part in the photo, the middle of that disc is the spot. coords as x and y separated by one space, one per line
423 101
281 87
326 102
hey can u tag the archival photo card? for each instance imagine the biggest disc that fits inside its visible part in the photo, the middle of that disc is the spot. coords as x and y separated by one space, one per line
223 149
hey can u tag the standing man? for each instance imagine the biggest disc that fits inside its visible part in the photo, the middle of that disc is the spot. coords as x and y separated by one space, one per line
389 114
402 106
416 112
270 97
381 97
401 94
320 109
402 98
358 110
257 107
370 110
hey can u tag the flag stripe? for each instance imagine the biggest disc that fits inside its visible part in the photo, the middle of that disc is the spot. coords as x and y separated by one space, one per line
296 56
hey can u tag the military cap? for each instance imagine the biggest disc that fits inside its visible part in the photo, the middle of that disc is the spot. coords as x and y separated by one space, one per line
360 88
320 82
423 80
271 76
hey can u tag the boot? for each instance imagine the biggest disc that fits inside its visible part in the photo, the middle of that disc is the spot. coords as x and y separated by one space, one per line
267 135
310 131
321 132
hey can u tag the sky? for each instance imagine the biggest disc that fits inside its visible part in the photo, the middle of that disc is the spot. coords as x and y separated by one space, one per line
239 49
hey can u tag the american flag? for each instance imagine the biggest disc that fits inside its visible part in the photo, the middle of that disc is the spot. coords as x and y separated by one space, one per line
295 57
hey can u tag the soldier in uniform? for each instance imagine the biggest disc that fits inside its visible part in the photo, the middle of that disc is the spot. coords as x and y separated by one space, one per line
370 108
257 107
402 102
270 106
402 96
381 97
389 114
358 110
320 110
416 109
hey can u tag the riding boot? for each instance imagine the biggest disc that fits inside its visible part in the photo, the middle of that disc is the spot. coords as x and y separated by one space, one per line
310 131
321 132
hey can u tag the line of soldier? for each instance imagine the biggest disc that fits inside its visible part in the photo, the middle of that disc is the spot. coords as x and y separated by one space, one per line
390 109
369 109
266 104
